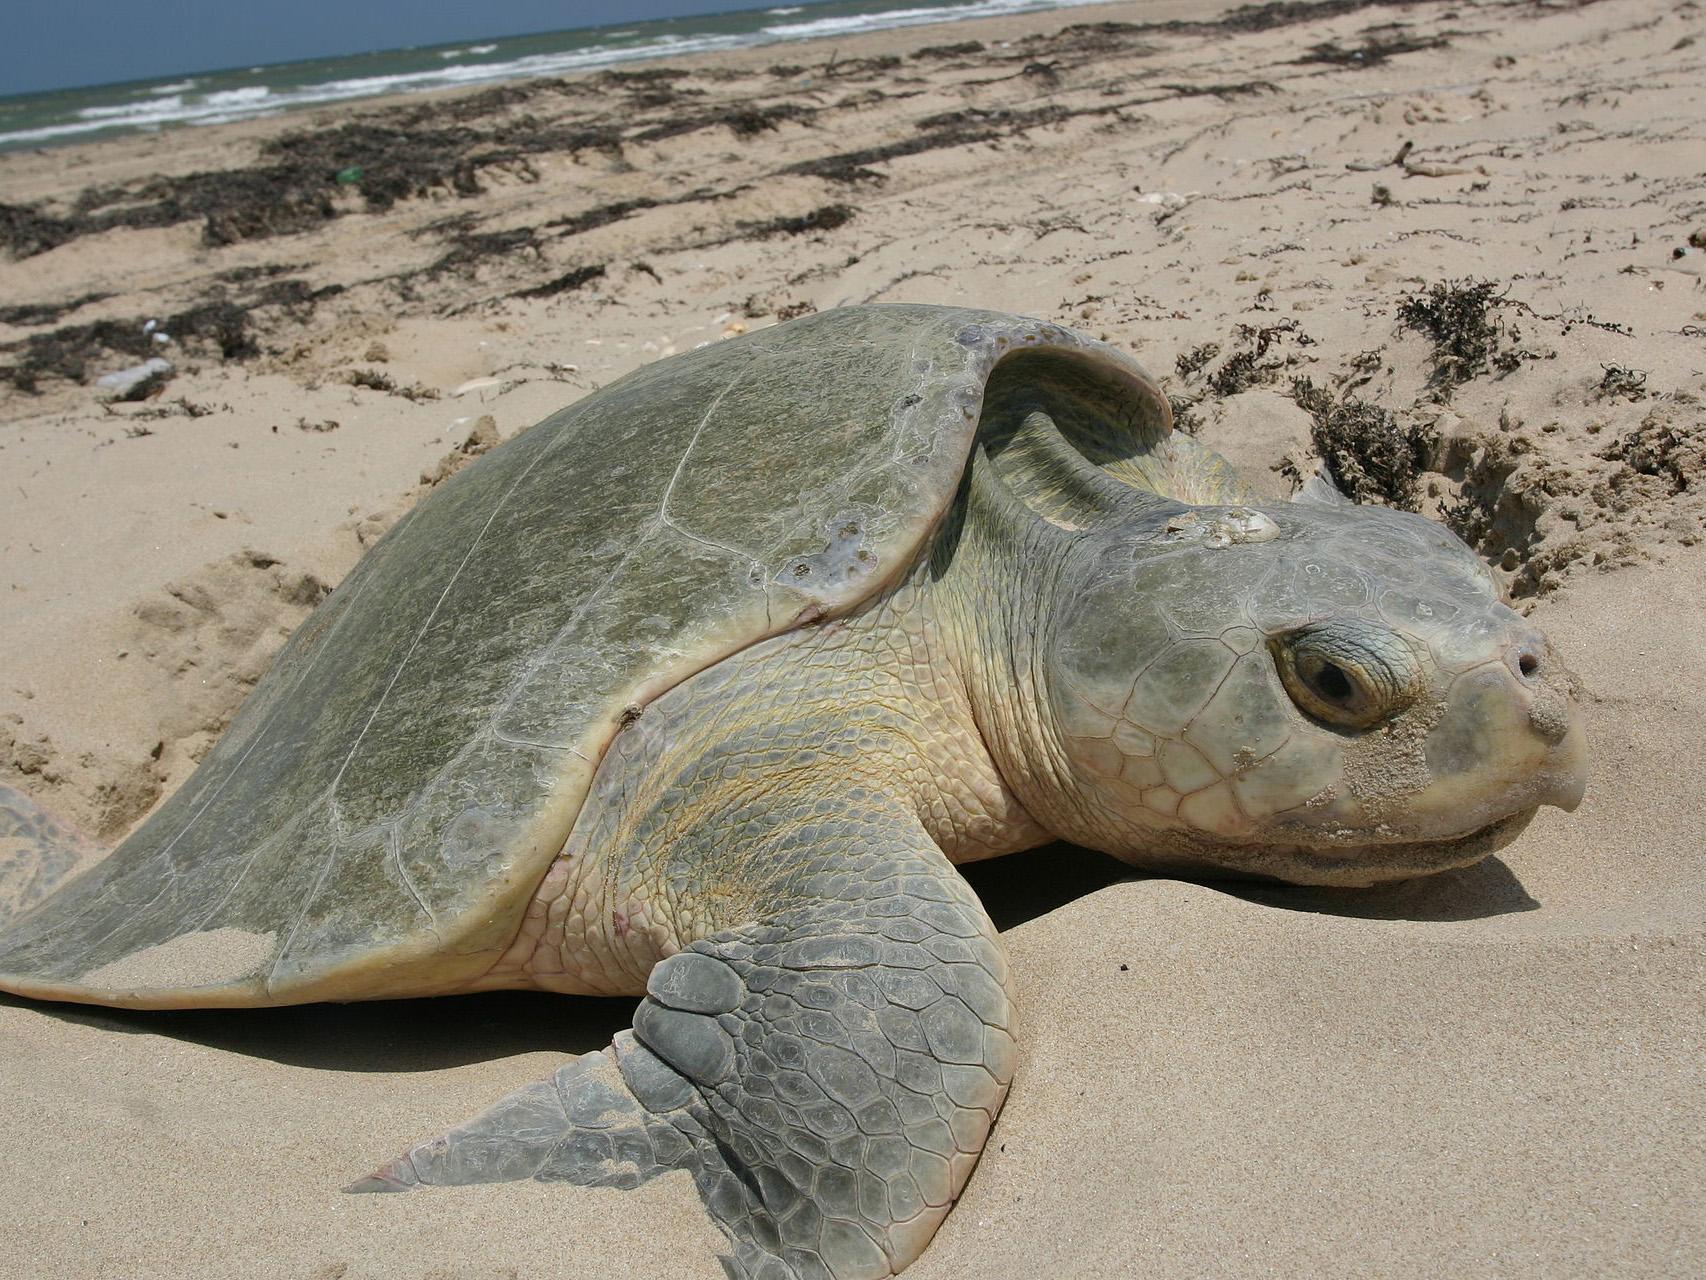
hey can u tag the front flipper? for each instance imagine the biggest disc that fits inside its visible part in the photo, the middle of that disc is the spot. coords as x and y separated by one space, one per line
828 1073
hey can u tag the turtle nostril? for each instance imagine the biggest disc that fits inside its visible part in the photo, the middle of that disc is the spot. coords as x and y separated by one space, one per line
1528 664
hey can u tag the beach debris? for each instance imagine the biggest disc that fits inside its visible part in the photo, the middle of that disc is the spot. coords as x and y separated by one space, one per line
963 49
1436 169
138 381
1461 318
825 218
1619 382
572 279
483 437
26 231
1369 166
377 380
1254 355
372 379
218 326
1376 48
1369 453
30 314
182 407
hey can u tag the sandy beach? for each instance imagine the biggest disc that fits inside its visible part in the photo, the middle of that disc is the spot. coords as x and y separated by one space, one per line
1455 249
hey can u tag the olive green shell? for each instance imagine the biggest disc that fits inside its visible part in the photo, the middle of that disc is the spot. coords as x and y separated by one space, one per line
376 817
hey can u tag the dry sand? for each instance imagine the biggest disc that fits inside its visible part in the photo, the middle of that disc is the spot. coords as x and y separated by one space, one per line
1494 1073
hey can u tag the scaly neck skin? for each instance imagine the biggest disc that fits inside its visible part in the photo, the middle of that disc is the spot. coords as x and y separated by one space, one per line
937 747
993 584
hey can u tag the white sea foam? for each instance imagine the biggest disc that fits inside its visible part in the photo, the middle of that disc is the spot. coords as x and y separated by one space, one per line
853 24
237 98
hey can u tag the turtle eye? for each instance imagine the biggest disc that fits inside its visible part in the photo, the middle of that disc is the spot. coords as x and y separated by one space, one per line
1348 674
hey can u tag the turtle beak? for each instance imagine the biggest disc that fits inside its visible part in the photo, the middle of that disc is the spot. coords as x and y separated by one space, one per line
1555 718
1563 778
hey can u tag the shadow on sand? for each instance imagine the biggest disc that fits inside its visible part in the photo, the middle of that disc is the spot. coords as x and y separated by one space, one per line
1027 885
451 1031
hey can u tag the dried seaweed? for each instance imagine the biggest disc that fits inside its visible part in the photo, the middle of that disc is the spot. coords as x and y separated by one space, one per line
1372 52
936 52
1460 318
31 314
1371 456
561 284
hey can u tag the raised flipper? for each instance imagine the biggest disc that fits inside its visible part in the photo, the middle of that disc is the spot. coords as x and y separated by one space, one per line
38 852
828 1072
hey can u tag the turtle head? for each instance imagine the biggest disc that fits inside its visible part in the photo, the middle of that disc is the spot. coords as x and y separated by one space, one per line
1316 692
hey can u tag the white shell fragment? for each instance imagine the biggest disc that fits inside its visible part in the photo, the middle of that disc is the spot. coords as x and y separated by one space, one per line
123 381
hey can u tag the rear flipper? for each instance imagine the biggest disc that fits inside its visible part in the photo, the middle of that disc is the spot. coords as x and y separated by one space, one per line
38 853
828 1075
582 1125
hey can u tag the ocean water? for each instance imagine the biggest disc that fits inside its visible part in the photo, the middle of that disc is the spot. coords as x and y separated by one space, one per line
104 111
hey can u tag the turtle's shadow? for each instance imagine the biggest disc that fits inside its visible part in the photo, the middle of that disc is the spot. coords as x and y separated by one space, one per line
1024 886
378 1035
452 1031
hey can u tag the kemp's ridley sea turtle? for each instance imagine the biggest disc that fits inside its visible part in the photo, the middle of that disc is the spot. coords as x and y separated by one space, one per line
698 690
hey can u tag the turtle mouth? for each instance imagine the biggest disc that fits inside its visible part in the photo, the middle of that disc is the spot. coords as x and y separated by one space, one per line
1354 862
1396 859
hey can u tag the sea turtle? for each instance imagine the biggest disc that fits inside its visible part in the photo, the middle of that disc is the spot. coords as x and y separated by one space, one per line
698 690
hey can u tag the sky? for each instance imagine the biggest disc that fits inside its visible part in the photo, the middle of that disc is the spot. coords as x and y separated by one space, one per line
57 44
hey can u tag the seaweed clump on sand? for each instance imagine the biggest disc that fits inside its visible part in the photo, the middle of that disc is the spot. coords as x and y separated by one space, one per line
744 122
294 189
1375 49
303 179
937 52
1371 456
219 327
26 231
949 129
825 218
28 315
1460 318
574 278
